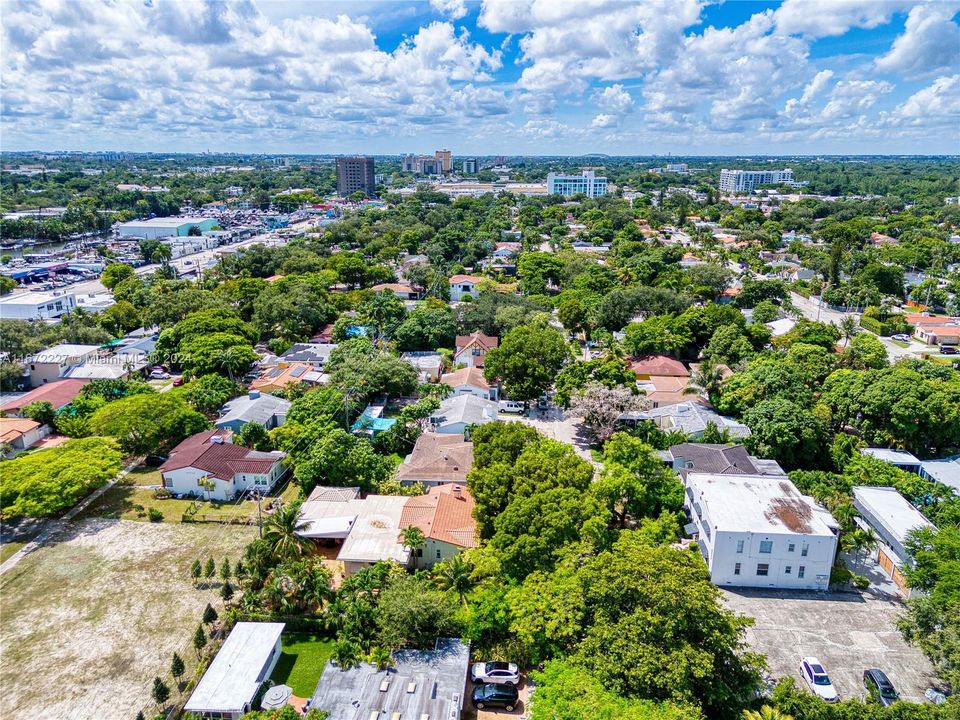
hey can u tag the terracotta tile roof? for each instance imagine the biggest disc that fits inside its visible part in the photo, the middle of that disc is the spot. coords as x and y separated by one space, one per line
465 278
437 457
221 460
58 393
466 376
478 338
393 287
658 365
279 377
445 514
12 428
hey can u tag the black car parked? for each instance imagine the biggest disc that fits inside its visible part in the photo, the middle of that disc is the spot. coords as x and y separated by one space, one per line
880 687
505 696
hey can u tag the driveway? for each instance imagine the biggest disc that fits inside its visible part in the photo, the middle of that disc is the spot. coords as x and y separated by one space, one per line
848 632
555 423
520 711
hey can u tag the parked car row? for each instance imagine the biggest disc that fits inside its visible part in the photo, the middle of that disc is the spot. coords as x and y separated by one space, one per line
877 683
495 685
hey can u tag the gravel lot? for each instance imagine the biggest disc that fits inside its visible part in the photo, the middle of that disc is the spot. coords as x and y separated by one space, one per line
848 632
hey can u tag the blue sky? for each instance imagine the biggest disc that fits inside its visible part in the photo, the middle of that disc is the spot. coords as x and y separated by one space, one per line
542 77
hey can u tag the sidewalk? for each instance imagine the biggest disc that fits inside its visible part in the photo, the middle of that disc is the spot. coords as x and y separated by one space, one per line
53 526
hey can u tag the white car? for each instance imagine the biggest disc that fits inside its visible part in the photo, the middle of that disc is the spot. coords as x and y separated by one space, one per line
818 680
495 673
159 375
509 406
901 337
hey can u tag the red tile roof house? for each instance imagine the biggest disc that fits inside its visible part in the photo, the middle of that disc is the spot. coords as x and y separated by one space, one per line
472 349
649 366
232 469
461 285
58 393
470 381
445 515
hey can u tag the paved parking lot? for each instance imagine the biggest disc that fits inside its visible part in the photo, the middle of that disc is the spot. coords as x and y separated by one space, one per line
848 632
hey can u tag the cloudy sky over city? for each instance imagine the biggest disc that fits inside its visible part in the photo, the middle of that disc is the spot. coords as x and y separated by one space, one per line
493 77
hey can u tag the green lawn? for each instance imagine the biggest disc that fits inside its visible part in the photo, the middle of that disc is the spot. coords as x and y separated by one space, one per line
301 663
144 475
900 343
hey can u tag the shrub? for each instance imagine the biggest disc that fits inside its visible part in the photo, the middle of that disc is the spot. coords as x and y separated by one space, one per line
155 515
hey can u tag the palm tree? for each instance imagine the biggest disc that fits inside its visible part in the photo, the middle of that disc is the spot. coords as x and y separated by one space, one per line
162 254
207 485
381 657
346 653
455 575
766 713
281 533
413 538
705 380
848 328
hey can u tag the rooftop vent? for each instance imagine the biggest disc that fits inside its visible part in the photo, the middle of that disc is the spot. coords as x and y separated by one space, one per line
385 685
411 687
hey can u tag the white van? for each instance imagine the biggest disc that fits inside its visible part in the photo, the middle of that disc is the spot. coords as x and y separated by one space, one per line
509 406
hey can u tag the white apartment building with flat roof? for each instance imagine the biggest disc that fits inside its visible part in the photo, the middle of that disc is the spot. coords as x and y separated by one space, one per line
745 181
586 182
37 305
760 531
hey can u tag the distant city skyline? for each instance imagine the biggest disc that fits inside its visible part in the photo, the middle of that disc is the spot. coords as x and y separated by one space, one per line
497 77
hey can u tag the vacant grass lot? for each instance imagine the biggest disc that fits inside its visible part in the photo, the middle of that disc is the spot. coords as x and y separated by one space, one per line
301 663
92 617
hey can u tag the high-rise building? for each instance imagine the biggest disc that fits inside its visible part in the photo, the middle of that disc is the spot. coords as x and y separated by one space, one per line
586 182
355 173
424 164
470 166
744 181
445 158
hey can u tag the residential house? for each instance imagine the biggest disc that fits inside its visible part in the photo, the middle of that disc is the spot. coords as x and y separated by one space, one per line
691 418
56 362
269 411
648 366
456 414
945 471
760 531
59 393
663 390
898 458
471 350
714 459
445 516
781 327
429 364
437 459
20 433
403 291
892 518
315 354
230 469
470 380
463 285
937 331
234 677
421 685
275 379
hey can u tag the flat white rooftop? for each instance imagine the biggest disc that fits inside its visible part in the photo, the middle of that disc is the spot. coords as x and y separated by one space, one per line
165 222
945 471
372 526
63 352
892 509
35 298
233 677
759 503
894 457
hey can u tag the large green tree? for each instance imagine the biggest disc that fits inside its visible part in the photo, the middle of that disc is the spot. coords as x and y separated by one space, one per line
147 423
527 360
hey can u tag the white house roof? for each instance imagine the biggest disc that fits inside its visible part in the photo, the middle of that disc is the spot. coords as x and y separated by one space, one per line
63 352
891 509
689 417
259 408
374 526
894 457
758 503
945 471
467 409
781 326
231 680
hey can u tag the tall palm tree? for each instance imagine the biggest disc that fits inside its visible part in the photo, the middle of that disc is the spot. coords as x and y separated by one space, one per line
848 328
413 538
705 380
280 531
455 575
766 713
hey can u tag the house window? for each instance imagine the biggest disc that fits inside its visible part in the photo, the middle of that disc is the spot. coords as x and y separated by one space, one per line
804 550
438 553
739 546
791 547
736 568
800 571
787 569
763 569
766 546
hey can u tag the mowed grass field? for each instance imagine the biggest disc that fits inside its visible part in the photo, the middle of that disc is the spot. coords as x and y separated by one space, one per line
90 618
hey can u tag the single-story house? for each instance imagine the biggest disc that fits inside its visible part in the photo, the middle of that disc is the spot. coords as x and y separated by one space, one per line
231 683
403 291
20 433
470 380
420 685
459 412
428 363
691 418
445 515
937 332
781 327
315 354
898 458
267 410
58 393
230 468
648 366
663 390
55 362
437 459
472 349
892 518
463 285
275 379
715 459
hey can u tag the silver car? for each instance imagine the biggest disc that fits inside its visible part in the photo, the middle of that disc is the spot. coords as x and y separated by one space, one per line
495 673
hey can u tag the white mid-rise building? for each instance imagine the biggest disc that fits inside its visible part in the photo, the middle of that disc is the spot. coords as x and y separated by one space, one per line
760 531
745 181
37 305
586 182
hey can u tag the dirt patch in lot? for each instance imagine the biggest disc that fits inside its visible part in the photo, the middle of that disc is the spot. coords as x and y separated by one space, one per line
90 618
847 632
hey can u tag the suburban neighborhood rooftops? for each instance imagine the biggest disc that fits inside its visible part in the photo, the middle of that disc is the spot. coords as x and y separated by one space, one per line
467 409
658 365
313 353
945 471
437 457
253 407
716 459
58 393
454 279
466 376
233 678
11 428
478 338
212 452
689 417
62 353
758 503
891 509
445 513
334 494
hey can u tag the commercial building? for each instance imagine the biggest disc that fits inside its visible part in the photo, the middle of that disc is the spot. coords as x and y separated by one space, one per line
760 531
892 518
155 228
37 305
470 166
231 683
355 173
445 158
421 685
586 183
745 181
